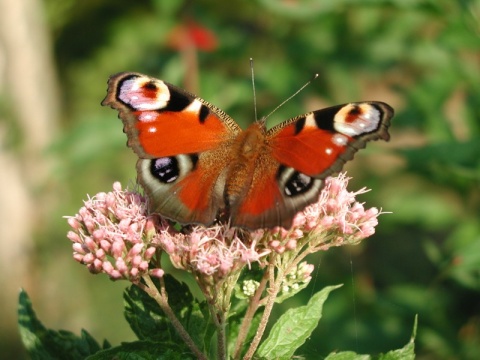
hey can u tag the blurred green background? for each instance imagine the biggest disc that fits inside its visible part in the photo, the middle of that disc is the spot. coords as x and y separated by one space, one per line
421 56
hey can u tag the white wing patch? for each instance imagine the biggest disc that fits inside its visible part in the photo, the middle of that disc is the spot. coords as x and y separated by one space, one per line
132 92
339 140
354 120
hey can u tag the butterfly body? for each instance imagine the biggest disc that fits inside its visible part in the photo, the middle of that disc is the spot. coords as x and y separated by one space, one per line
198 166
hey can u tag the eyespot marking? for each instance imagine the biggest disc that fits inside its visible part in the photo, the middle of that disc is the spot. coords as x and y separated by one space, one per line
357 119
165 169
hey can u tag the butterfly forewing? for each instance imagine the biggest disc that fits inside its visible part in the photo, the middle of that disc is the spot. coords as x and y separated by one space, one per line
318 143
163 120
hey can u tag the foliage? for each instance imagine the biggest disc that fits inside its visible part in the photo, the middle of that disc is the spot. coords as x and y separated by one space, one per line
300 323
43 343
420 56
155 342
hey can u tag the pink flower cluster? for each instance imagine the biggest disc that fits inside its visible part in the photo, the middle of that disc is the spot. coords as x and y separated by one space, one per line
335 214
112 234
215 251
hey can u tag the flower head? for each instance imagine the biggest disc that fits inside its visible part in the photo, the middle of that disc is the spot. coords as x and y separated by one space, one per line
335 219
216 251
112 234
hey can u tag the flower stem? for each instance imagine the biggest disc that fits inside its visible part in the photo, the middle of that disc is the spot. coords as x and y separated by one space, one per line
221 337
272 294
218 317
247 320
162 300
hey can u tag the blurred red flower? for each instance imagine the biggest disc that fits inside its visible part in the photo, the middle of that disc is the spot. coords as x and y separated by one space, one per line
192 34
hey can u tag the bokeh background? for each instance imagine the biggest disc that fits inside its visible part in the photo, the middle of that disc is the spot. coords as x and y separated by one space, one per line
421 56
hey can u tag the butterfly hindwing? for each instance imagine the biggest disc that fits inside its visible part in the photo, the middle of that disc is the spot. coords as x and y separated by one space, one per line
276 195
182 188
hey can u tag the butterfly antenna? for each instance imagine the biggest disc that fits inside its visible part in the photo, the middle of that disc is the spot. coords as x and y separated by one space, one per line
253 85
291 96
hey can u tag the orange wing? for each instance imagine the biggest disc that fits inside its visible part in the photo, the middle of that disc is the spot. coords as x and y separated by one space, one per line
185 149
319 143
300 154
182 142
162 120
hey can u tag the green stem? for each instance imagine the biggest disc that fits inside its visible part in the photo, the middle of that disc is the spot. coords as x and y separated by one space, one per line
272 294
162 300
219 322
221 337
219 307
249 314
218 317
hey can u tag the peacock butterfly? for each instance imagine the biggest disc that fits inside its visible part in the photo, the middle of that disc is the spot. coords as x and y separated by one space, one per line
197 165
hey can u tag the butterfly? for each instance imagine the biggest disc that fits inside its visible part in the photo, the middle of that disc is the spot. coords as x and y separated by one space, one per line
197 165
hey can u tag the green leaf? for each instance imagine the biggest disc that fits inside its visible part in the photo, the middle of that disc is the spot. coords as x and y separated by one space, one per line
145 317
294 327
301 10
43 343
238 310
446 153
199 326
143 350
148 321
463 249
405 353
347 355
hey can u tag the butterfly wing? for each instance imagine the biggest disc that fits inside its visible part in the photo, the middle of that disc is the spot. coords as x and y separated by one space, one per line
301 153
181 141
319 143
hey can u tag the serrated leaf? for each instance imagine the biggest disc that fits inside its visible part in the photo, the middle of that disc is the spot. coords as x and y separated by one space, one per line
199 326
148 321
294 327
143 350
43 343
145 317
193 314
405 353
